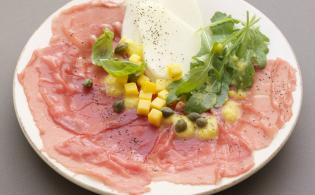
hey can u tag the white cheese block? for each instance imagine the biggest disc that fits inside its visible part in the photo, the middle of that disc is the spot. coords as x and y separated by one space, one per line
166 38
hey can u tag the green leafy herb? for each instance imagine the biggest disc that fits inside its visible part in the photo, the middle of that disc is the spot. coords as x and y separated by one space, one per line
102 55
228 56
120 68
103 47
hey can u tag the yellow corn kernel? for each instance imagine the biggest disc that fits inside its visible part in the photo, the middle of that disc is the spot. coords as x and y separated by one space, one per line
239 94
145 95
174 71
231 111
136 59
131 89
158 103
155 117
142 79
161 84
131 102
144 107
163 94
149 87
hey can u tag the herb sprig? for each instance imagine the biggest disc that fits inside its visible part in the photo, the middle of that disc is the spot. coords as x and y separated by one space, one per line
230 52
103 56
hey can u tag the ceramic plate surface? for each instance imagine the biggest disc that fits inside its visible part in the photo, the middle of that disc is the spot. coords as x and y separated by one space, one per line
279 47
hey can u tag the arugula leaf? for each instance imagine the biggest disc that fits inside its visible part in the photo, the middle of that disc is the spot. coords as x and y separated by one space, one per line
222 24
200 102
120 68
172 97
103 47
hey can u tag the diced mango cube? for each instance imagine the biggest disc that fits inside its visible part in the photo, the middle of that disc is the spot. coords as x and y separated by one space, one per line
136 59
155 117
142 79
163 94
133 47
131 89
149 87
114 90
174 71
122 80
131 102
144 107
112 80
145 95
158 103
161 84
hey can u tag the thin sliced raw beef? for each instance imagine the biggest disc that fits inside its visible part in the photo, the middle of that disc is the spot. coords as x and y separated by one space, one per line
80 130
268 105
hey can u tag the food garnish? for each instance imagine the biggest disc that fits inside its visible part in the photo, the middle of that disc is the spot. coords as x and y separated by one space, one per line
228 57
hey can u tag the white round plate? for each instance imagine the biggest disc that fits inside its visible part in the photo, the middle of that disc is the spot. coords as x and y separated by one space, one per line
279 47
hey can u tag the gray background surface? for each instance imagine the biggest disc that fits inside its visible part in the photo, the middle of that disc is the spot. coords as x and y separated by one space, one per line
292 172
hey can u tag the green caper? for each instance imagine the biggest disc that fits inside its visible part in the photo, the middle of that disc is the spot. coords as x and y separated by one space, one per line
193 116
167 112
88 83
119 106
201 122
121 48
180 126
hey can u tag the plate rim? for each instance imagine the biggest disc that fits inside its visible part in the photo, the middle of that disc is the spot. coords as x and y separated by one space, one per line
79 183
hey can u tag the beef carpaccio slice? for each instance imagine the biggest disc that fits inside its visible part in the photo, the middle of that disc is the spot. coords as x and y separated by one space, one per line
80 130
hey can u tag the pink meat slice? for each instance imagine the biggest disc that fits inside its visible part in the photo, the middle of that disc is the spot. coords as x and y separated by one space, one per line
120 153
268 106
199 162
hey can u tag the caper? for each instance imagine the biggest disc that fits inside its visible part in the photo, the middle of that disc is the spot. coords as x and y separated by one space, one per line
119 106
180 126
121 48
193 116
133 78
167 112
201 122
88 83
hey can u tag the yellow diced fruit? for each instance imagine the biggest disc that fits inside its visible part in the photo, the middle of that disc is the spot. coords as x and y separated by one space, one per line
133 47
145 95
114 90
144 107
149 87
142 79
231 112
131 89
158 103
136 59
161 84
174 71
155 117
122 80
163 94
131 102
110 80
